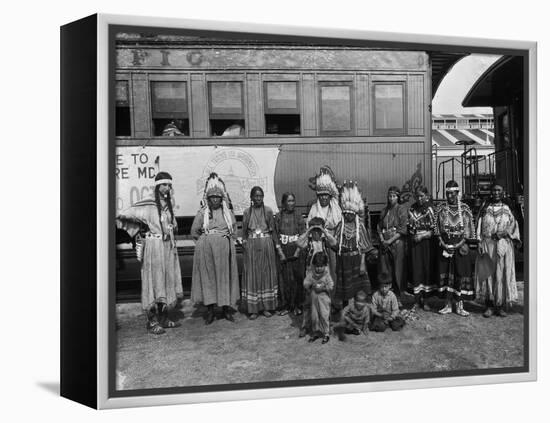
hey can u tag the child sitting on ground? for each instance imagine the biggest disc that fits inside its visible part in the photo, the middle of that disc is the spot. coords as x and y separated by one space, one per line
385 309
318 284
355 317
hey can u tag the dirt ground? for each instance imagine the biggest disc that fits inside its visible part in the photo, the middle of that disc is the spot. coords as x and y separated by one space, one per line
268 349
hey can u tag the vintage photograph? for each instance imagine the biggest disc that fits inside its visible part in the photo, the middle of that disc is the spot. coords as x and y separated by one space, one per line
298 210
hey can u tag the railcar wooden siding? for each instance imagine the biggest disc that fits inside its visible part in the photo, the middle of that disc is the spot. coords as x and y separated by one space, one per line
375 157
375 166
254 66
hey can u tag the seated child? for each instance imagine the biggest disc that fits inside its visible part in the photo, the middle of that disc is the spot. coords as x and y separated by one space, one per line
355 317
385 309
318 284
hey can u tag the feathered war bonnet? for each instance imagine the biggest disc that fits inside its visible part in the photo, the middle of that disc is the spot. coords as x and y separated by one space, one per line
350 198
350 202
325 184
215 187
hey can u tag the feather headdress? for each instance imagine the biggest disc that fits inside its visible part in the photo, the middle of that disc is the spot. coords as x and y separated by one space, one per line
350 202
215 187
350 198
325 184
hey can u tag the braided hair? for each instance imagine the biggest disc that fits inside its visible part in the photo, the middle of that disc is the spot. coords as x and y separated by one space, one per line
252 191
163 175
386 210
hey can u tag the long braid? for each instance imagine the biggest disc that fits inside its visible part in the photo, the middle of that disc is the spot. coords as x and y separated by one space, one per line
265 218
169 204
357 231
342 228
159 208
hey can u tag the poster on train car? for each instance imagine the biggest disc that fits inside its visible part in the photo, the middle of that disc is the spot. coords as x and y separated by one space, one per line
241 168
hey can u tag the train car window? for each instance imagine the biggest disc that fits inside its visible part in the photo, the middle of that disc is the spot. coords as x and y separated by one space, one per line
170 111
122 111
336 108
282 108
226 104
389 108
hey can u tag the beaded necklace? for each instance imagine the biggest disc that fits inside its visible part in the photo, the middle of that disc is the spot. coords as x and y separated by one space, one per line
497 212
349 232
450 228
419 218
255 214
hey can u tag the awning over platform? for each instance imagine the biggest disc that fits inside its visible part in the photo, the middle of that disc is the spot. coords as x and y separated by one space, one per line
499 85
449 137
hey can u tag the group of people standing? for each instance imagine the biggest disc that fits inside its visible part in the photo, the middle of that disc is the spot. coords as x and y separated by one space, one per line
317 266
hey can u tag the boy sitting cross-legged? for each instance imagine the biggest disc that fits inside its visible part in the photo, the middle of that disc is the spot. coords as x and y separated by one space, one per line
355 317
385 309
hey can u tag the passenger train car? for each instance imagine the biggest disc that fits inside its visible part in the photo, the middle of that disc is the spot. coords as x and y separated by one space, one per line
268 115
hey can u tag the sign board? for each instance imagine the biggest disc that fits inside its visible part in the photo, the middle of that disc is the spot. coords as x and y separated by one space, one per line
241 168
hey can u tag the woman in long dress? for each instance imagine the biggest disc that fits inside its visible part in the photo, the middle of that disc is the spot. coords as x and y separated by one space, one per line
260 284
498 231
161 285
215 275
454 226
392 230
353 244
421 229
289 225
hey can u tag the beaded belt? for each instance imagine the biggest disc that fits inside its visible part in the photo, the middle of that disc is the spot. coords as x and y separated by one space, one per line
350 253
455 233
260 235
285 239
217 232
149 235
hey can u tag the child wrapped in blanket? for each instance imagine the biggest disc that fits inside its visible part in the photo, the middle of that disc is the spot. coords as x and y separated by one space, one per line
318 285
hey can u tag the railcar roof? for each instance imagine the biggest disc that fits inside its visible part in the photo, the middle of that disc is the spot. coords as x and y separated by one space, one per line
441 61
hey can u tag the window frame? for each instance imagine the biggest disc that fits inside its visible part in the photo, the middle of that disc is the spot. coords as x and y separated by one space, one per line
127 79
152 82
282 111
226 116
339 83
390 131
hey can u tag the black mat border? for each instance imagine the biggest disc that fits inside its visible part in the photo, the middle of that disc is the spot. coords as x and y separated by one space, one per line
114 29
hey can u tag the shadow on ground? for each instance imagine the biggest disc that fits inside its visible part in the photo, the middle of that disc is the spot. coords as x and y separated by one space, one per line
51 387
